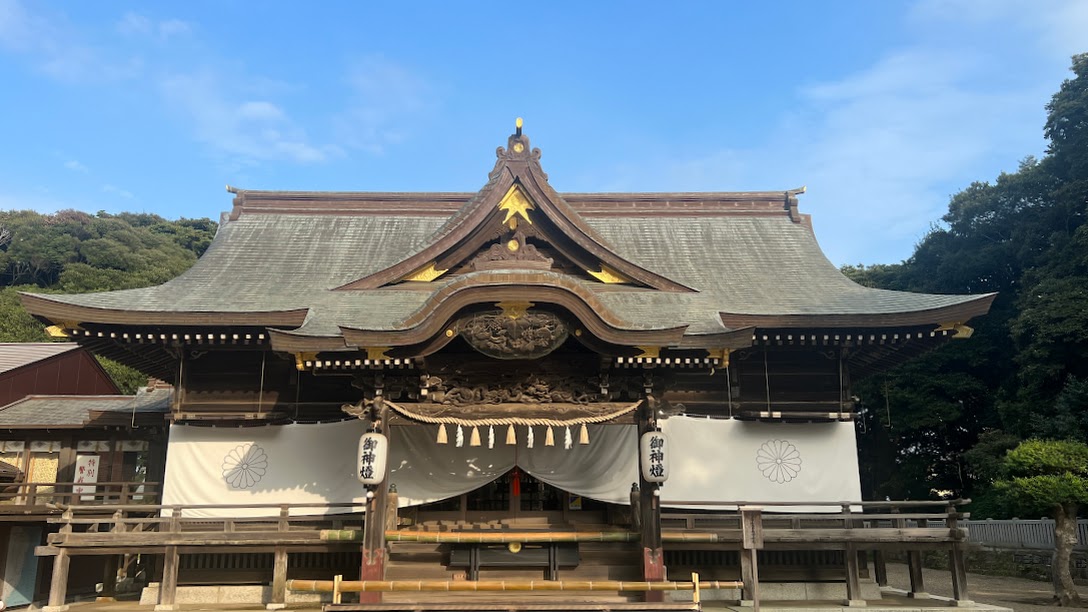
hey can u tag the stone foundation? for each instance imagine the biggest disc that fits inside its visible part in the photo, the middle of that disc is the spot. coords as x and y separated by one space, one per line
229 594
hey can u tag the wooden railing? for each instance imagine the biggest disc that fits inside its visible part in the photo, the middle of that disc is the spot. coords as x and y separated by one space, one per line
856 528
83 494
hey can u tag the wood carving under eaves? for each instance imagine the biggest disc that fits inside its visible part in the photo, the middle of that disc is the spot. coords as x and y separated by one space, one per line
516 252
528 336
491 229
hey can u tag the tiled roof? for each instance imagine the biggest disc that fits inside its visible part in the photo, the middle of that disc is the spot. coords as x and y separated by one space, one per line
709 262
742 264
81 410
18 354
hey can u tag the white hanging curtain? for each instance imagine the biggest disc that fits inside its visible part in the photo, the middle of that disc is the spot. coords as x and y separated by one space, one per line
603 469
710 460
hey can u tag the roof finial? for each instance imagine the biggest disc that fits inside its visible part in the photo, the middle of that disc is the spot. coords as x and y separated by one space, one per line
517 124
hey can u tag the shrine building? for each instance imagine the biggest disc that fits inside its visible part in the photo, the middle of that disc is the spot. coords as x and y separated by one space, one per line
511 347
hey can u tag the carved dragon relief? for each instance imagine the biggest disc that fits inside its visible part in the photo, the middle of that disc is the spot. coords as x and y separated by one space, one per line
515 389
524 335
510 387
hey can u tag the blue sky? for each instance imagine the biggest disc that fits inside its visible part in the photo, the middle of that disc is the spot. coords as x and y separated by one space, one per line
882 109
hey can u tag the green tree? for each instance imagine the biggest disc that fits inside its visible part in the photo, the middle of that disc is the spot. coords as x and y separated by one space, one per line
1024 236
75 252
1052 477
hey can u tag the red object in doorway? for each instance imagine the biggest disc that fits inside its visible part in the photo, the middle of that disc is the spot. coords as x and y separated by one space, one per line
515 480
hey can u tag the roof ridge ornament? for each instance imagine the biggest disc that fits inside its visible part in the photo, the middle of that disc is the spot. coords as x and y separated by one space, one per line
517 149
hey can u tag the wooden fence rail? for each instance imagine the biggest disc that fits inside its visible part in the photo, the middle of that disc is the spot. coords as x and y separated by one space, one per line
170 530
79 493
1027 534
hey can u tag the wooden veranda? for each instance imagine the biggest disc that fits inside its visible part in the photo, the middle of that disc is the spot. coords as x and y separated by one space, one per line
858 529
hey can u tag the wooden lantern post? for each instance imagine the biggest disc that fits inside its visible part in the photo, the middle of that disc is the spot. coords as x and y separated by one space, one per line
374 525
653 553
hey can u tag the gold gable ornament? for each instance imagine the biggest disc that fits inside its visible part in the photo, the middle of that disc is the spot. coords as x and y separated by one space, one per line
961 330
516 204
425 274
302 357
514 310
609 276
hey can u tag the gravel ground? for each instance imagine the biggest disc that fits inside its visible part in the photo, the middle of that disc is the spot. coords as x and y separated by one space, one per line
1019 594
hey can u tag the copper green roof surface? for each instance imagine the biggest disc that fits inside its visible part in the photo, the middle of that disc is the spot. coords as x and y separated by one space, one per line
44 411
752 265
317 262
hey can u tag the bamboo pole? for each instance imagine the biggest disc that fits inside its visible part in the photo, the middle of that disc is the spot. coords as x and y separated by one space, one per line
386 586
505 537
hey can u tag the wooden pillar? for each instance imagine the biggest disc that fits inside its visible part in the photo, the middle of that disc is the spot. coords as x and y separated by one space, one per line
58 586
751 528
853 584
880 566
956 559
850 552
156 465
373 567
58 583
109 580
653 554
279 580
392 501
168 588
66 470
914 568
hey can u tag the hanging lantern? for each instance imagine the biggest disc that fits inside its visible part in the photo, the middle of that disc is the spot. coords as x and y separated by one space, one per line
373 451
653 455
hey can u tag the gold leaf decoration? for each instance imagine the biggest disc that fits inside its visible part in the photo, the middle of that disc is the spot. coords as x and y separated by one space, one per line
609 276
425 274
516 204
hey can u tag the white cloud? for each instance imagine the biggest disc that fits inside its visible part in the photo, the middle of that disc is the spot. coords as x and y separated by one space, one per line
75 166
56 50
252 130
173 27
135 24
383 94
260 111
117 191
882 149
1056 26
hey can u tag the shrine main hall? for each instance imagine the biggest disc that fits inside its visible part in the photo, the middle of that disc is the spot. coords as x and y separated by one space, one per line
581 397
